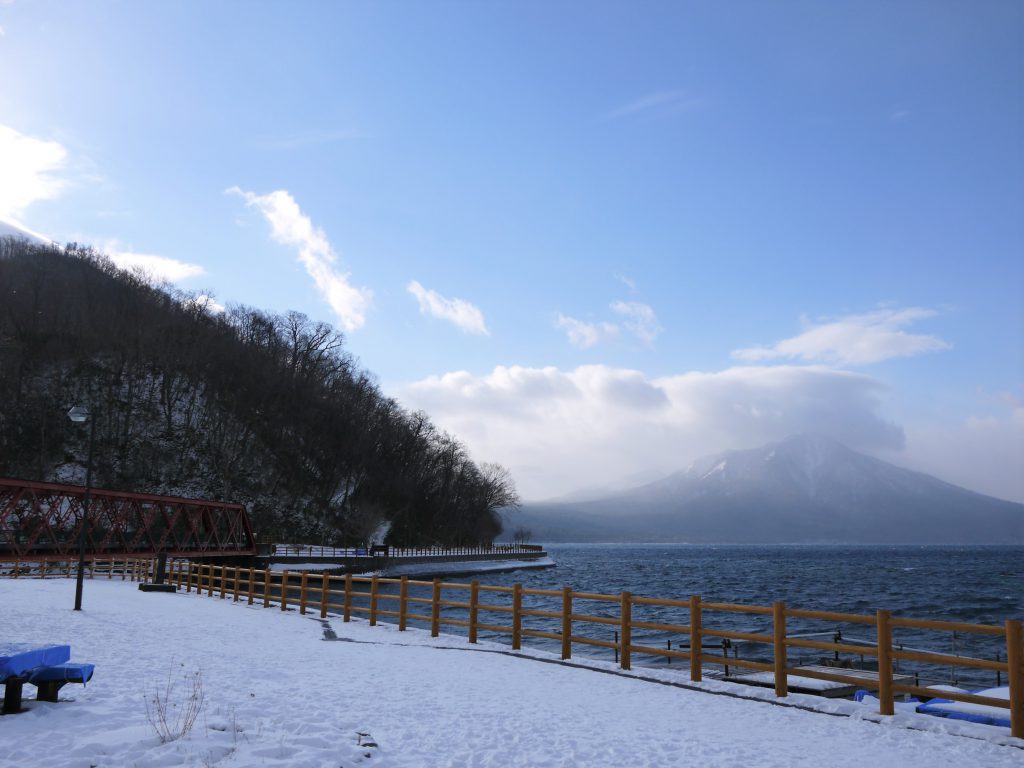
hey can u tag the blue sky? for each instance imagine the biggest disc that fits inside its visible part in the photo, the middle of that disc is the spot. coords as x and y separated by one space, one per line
595 240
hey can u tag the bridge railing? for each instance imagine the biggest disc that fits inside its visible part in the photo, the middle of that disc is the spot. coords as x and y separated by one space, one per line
323 551
48 521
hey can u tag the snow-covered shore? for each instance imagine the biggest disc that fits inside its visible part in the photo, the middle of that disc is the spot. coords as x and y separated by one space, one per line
279 691
425 569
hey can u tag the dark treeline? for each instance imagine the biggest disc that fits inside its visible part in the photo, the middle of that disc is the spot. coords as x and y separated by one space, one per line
242 405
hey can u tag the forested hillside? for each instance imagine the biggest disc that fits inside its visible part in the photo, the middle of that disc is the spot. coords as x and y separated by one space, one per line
267 410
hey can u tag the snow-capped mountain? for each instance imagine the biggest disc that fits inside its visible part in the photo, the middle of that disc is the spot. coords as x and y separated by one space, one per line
806 488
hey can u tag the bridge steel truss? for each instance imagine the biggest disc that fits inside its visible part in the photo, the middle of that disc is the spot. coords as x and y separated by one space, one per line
43 521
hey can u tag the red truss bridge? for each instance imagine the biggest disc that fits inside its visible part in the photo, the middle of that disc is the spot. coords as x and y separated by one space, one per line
43 521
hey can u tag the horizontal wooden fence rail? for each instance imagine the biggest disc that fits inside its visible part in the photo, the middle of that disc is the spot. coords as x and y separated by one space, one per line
569 618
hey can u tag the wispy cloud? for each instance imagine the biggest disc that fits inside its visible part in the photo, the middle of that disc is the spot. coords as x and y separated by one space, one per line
308 139
290 226
626 281
584 334
853 340
460 313
659 101
29 171
640 320
159 268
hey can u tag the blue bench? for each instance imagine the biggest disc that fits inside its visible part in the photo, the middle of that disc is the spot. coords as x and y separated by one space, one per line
46 667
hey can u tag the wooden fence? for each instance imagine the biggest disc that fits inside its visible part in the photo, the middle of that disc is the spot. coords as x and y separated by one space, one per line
500 610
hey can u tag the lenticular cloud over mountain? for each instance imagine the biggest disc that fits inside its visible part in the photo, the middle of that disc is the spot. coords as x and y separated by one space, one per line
559 431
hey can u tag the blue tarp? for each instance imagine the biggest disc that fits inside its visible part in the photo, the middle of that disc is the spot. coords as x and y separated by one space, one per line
18 658
973 713
68 673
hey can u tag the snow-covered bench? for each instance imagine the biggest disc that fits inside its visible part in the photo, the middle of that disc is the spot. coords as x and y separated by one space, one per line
45 667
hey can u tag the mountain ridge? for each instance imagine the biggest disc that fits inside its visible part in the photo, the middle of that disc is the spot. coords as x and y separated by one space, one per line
805 488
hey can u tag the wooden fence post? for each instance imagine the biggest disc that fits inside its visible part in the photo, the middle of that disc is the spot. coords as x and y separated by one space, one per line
234 584
696 640
779 642
474 611
251 586
302 593
403 603
284 590
517 617
566 622
223 580
625 629
435 609
1015 673
325 594
266 586
348 597
188 576
209 580
373 600
886 705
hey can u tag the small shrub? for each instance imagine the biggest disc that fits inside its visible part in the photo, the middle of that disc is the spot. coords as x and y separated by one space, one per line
172 708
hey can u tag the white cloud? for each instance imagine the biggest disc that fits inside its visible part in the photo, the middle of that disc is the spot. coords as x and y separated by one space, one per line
559 431
458 312
853 340
10 228
584 334
662 101
640 319
983 453
207 303
159 268
29 167
289 226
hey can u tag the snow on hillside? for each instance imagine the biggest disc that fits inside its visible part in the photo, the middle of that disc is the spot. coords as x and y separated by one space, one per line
279 690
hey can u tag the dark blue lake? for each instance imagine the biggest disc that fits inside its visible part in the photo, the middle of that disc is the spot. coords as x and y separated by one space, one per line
974 584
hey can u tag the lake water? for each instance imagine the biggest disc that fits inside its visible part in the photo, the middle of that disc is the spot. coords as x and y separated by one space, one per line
979 585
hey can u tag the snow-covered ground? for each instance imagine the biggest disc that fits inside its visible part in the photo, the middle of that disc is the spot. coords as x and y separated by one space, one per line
279 690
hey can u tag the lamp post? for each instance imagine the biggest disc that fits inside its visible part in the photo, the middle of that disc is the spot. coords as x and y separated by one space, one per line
79 415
